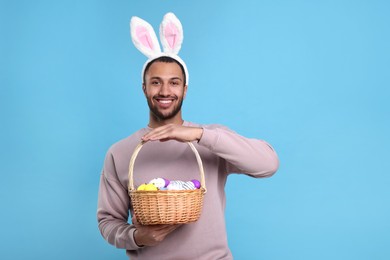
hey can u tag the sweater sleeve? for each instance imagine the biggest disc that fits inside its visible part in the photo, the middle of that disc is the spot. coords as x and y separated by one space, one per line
242 155
113 213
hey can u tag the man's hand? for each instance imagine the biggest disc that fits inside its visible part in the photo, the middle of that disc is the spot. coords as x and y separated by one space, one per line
151 235
174 132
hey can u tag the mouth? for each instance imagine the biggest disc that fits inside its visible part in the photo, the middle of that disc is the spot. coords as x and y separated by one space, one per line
164 102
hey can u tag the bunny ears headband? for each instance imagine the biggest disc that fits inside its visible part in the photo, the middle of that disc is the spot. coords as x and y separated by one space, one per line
171 37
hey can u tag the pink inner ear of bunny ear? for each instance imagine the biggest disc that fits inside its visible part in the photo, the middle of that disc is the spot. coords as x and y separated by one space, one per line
144 37
171 34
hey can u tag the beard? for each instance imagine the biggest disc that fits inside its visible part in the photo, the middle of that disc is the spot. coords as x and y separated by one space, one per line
160 115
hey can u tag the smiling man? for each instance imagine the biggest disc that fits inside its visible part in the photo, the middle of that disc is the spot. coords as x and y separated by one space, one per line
165 88
165 155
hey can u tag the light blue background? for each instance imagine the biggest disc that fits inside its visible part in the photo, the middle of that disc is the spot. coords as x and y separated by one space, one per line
310 77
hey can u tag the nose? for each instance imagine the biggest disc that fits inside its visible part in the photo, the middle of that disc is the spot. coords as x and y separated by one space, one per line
164 89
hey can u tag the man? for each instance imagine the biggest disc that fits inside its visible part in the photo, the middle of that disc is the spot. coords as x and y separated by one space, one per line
165 155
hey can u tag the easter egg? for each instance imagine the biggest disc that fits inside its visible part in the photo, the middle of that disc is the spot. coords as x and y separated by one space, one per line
189 185
150 186
182 185
196 183
142 186
160 182
175 185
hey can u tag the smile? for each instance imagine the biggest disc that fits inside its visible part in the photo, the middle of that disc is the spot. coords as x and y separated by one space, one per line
165 101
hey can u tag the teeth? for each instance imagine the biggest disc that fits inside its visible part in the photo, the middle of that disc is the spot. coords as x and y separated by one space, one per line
165 101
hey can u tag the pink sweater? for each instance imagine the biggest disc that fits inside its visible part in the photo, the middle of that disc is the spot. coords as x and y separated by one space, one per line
222 152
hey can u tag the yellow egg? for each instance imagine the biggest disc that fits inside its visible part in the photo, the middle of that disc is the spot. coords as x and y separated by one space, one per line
150 186
142 186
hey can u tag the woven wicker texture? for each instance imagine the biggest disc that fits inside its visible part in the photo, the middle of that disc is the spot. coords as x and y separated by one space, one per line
166 206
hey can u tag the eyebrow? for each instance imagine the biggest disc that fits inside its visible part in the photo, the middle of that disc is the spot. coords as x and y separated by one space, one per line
159 78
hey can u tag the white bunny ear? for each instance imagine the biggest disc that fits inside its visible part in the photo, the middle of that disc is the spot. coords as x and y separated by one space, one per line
171 34
144 37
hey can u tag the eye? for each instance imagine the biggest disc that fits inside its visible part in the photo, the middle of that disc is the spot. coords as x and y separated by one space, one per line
175 83
155 82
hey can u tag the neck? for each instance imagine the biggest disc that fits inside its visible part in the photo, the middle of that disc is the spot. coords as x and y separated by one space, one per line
155 122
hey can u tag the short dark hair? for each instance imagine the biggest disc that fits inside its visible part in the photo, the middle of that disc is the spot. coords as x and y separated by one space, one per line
165 59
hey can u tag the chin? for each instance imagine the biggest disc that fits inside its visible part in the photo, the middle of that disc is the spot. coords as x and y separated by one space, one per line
164 116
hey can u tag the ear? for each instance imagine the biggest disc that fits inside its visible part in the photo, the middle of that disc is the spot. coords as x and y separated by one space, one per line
144 37
185 91
144 88
171 34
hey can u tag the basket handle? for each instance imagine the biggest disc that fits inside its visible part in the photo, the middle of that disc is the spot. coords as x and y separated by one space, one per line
138 148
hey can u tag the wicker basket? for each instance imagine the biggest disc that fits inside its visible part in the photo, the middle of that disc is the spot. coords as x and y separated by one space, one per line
166 206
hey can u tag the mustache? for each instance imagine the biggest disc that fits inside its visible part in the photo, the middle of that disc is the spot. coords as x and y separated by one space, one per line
165 97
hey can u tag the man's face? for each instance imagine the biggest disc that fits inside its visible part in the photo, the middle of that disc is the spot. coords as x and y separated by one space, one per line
164 89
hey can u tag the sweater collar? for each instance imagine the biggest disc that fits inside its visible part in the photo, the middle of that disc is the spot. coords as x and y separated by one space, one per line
185 123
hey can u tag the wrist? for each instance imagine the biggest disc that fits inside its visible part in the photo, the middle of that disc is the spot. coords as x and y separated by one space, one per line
199 134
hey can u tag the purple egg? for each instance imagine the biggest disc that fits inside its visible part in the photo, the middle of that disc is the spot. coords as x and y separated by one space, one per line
196 183
166 182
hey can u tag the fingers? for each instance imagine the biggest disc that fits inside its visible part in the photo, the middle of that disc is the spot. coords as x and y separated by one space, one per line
170 228
174 132
165 132
150 235
162 233
164 228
